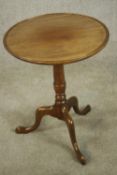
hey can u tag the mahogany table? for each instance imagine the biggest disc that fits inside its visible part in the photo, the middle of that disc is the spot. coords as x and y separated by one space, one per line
57 39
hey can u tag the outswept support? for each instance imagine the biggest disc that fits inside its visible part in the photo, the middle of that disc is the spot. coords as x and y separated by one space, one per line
72 102
71 128
40 113
60 110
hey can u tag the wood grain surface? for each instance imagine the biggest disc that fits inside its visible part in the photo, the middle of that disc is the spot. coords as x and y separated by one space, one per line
56 38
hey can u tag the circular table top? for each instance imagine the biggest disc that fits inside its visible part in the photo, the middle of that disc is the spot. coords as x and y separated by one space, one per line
56 38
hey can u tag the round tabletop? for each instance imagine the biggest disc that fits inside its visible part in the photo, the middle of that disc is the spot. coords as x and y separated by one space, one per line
56 38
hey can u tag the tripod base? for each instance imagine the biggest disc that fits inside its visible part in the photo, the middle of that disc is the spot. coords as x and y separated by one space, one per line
60 110
62 114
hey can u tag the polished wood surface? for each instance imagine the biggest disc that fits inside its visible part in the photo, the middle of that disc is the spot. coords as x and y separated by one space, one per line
60 110
56 38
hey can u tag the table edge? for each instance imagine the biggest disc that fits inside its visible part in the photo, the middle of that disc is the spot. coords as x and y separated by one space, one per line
94 52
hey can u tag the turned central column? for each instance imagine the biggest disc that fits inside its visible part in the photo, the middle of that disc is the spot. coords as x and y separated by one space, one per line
59 85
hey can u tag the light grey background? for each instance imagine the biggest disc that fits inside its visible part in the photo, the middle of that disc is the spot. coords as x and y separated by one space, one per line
24 86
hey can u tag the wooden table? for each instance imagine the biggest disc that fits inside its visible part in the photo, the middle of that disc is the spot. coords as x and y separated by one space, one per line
57 39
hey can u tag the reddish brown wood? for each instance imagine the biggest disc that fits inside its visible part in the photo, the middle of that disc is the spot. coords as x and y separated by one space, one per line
71 128
59 85
60 110
40 113
73 102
